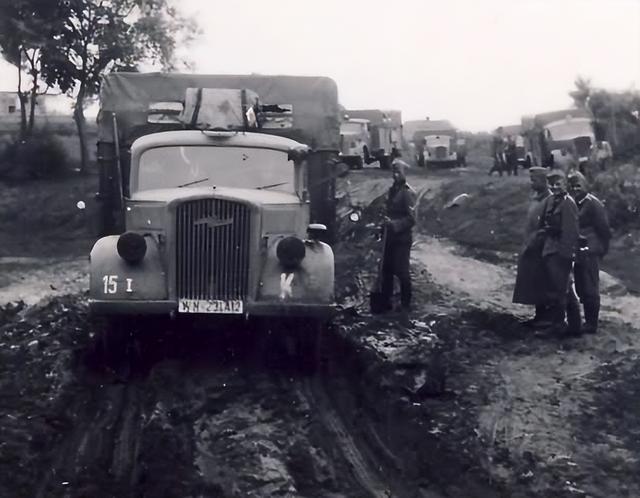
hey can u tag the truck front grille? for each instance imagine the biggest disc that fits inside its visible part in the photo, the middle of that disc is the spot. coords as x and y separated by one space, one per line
213 237
441 152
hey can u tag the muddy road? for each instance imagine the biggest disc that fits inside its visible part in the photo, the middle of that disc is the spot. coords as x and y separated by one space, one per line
460 401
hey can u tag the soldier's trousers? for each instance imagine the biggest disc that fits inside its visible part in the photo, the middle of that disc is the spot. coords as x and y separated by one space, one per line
587 276
396 263
561 297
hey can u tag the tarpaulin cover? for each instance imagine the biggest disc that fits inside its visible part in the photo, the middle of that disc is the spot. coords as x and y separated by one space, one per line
376 116
549 117
314 100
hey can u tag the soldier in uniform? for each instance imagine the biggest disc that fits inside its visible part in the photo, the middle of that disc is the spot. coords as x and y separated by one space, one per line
595 234
399 221
497 152
558 233
530 278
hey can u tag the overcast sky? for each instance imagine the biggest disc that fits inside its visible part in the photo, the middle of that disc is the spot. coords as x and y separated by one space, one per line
478 63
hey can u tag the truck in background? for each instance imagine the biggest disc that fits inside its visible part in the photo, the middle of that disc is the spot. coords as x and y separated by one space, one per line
434 142
560 136
385 130
355 142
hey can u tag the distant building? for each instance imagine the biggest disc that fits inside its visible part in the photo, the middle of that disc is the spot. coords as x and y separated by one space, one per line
9 103
46 105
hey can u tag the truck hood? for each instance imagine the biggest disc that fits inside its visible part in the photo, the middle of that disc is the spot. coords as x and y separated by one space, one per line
253 196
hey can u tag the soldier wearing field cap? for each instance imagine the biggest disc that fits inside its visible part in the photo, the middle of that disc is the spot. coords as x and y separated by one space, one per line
399 221
595 234
530 285
558 231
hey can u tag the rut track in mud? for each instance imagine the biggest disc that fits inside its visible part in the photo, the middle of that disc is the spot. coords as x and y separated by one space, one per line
202 414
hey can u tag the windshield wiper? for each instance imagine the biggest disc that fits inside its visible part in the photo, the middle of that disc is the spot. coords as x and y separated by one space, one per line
192 183
270 186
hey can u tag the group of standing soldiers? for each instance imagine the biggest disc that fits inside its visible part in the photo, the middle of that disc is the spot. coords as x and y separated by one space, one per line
567 234
505 154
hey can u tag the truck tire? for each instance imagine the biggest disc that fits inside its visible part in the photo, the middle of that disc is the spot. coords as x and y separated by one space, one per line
309 340
113 343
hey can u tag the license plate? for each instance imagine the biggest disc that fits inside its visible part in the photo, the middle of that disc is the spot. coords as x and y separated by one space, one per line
231 307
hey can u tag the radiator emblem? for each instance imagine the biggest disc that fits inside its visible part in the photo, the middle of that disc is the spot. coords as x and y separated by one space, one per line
214 221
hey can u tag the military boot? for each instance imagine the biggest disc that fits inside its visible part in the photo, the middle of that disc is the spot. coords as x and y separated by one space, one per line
558 325
591 315
573 317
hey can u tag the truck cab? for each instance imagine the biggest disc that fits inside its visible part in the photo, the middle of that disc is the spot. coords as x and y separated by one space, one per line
355 142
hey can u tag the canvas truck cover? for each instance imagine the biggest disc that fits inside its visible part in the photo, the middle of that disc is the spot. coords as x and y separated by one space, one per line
426 127
376 116
543 119
128 95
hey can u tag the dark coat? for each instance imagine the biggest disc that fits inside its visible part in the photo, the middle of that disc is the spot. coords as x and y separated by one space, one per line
559 223
594 225
530 277
401 204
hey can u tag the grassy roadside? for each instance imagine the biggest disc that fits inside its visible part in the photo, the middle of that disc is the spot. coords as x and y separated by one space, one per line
40 218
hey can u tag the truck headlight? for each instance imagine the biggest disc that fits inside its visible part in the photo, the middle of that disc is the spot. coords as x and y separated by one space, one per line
132 247
290 252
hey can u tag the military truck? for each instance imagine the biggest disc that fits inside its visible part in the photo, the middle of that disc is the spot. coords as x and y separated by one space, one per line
552 135
355 142
385 130
435 142
216 196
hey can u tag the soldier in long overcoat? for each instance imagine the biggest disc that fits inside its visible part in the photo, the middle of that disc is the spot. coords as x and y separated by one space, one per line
530 285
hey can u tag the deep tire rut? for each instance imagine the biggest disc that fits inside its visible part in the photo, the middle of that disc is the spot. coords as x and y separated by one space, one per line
363 472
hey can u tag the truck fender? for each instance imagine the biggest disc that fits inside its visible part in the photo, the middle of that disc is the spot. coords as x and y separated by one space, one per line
311 282
112 278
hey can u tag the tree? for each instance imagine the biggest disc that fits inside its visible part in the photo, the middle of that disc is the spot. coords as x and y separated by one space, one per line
26 27
582 92
98 36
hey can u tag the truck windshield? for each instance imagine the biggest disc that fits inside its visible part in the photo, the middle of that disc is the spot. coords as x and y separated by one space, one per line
570 129
351 128
435 141
239 167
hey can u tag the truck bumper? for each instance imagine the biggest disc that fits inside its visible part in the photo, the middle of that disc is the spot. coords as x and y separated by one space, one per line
104 307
